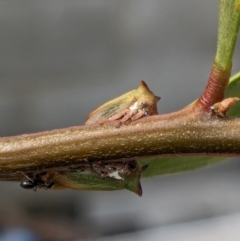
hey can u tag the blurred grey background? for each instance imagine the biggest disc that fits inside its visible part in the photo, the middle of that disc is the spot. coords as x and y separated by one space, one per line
61 59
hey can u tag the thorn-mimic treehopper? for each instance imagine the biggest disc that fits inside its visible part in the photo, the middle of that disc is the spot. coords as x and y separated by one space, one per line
128 107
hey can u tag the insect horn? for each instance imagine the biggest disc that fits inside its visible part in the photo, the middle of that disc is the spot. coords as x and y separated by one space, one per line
144 89
143 86
135 187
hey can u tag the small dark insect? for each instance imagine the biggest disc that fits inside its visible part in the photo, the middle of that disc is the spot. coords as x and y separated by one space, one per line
35 183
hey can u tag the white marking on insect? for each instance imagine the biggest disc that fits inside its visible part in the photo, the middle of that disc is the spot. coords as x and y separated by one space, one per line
115 175
134 106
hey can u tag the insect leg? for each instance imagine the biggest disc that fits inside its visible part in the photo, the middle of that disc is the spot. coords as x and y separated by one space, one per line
119 115
138 115
129 115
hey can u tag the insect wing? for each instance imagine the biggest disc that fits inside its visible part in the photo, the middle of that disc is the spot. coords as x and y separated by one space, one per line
126 176
86 181
110 109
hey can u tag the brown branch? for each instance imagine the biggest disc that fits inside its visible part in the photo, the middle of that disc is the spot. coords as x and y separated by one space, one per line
179 133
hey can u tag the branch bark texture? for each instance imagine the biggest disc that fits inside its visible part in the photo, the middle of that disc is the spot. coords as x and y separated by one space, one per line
151 136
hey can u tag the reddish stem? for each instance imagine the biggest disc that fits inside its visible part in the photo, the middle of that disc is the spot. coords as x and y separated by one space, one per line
216 86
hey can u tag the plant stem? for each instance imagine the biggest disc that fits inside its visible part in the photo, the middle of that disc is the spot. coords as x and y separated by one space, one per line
162 135
228 28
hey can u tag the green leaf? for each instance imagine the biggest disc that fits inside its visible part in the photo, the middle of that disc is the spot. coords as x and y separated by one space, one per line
233 90
171 165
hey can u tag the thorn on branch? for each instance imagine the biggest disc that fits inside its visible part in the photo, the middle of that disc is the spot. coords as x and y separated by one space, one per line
220 108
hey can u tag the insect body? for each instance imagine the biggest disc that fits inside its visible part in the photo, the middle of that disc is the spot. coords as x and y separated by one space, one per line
34 185
102 176
37 182
128 107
